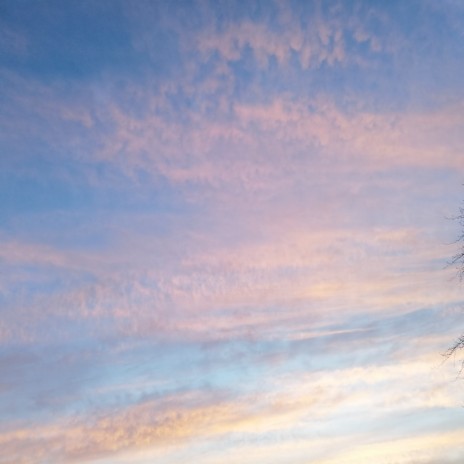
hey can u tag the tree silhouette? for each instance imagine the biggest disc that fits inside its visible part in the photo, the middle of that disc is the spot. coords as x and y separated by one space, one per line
458 261
458 258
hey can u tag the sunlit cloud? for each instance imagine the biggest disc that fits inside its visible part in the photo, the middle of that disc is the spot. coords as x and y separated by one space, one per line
224 232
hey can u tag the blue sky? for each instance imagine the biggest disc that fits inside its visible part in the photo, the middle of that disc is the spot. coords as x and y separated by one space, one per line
223 231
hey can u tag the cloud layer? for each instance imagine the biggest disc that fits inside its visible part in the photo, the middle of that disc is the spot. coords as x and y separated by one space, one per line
223 232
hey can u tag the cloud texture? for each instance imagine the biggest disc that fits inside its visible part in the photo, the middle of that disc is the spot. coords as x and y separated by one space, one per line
223 232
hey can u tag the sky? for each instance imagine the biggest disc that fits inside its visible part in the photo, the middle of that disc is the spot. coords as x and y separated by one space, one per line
225 229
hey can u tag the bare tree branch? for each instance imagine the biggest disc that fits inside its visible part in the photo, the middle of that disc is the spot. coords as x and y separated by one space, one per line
453 350
458 261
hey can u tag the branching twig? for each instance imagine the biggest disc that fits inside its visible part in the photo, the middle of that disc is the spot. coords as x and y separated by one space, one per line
452 351
458 261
